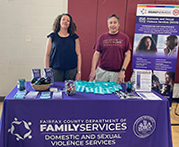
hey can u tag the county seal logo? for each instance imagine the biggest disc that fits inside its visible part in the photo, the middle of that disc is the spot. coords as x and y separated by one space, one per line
144 126
15 125
175 12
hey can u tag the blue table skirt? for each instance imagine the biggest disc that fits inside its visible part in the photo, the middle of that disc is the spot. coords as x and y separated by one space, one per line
84 119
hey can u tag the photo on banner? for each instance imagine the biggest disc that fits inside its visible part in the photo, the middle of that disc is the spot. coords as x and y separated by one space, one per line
156 44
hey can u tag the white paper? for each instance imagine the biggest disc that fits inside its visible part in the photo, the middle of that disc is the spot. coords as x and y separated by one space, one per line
57 95
143 80
31 95
149 96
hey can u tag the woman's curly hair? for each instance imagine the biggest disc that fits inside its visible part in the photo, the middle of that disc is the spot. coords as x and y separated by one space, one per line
142 48
56 25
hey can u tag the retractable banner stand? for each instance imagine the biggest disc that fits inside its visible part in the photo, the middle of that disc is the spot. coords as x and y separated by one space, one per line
156 44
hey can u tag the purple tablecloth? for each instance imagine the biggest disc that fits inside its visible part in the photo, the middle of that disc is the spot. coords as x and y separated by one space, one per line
84 119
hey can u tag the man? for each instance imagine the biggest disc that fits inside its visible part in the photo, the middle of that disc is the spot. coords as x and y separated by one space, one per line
114 50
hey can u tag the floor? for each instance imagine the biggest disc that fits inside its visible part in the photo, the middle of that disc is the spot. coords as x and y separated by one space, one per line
174 122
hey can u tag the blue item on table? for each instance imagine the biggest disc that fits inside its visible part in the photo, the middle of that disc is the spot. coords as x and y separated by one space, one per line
21 84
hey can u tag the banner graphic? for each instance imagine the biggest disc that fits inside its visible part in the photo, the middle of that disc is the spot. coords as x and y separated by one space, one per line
156 44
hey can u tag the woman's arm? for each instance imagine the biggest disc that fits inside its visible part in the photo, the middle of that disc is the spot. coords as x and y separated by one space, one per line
78 52
47 52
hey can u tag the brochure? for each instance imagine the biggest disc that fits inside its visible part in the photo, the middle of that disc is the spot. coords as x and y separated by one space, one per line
20 94
45 95
31 95
57 95
149 96
143 80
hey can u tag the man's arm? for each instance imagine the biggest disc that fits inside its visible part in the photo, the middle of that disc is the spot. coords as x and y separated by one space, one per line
93 66
127 59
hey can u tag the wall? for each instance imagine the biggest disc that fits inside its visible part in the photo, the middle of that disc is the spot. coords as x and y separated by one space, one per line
24 25
93 12
91 21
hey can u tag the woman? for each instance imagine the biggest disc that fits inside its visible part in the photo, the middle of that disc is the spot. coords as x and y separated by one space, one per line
146 45
63 50
169 83
171 46
169 78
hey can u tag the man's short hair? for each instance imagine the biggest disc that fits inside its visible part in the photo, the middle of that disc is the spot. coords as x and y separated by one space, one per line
114 15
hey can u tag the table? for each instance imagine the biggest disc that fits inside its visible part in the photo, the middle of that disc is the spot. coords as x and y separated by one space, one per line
84 119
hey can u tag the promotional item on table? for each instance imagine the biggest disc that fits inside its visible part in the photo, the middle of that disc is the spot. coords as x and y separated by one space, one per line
48 73
20 94
21 84
31 95
57 94
43 87
45 95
